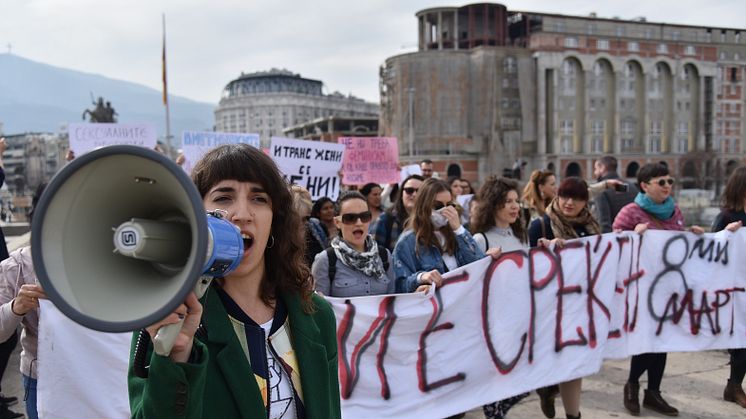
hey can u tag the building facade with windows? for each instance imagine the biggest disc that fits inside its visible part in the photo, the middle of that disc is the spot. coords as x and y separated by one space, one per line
488 86
266 103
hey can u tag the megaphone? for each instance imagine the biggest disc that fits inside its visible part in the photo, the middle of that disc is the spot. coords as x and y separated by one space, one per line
120 237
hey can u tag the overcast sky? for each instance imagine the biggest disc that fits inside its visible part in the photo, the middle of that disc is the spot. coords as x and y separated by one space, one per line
341 43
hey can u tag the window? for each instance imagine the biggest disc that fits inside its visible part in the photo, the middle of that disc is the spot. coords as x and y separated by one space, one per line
655 137
509 65
620 31
559 26
662 49
571 42
566 144
723 55
689 50
597 127
602 44
591 28
566 126
648 34
633 46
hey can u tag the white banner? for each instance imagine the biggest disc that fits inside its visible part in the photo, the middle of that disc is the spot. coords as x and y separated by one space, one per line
315 165
498 328
86 137
196 144
82 372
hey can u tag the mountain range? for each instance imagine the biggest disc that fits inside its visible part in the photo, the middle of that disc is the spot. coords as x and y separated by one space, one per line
37 97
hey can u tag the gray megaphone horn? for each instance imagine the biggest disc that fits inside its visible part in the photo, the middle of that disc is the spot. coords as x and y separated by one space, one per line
120 237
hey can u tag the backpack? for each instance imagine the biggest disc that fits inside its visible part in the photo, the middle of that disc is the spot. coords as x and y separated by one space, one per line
332 255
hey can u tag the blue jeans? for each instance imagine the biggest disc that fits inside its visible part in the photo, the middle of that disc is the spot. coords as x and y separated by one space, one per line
29 384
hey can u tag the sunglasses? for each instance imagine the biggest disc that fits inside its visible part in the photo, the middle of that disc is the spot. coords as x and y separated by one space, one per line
439 205
352 218
662 182
410 191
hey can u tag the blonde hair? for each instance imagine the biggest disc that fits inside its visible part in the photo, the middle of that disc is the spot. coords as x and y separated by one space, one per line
532 194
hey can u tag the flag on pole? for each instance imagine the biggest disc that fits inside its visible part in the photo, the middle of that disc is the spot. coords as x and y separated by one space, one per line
163 62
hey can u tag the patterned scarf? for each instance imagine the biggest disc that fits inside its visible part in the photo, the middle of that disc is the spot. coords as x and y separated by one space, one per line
563 226
368 263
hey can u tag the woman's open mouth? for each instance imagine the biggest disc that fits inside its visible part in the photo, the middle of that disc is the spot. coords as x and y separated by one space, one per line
248 241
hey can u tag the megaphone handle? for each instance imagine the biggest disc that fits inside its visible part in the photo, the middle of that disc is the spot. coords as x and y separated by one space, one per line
164 340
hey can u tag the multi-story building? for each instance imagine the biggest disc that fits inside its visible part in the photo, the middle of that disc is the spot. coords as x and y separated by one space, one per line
331 128
267 102
488 86
32 158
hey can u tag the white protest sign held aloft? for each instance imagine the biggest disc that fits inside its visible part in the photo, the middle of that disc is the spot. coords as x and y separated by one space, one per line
85 137
411 169
498 328
370 160
196 144
314 165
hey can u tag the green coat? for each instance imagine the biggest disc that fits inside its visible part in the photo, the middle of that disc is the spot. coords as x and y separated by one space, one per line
221 384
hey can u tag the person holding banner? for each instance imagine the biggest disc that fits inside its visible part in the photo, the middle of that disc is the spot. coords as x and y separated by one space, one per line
567 217
653 208
497 224
354 265
731 218
435 242
260 343
393 221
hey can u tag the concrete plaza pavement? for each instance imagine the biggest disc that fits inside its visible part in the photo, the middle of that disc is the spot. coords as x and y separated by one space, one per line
693 383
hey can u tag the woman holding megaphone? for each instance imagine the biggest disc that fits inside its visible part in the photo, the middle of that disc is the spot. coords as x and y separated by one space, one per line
259 343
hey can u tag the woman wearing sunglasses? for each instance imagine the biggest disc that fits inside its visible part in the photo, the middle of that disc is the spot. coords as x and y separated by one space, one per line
392 222
654 208
435 242
354 265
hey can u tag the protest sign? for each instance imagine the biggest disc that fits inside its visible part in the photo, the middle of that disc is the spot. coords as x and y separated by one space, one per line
77 365
86 137
314 165
196 144
497 328
412 169
370 160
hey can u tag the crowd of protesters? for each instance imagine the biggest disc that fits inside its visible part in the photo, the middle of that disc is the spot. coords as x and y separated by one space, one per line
404 237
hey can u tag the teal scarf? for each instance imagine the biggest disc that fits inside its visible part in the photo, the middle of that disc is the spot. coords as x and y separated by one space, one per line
662 211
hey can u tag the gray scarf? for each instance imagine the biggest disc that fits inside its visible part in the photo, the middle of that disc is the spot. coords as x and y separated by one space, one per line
369 262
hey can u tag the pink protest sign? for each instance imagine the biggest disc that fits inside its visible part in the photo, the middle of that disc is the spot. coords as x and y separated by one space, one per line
370 159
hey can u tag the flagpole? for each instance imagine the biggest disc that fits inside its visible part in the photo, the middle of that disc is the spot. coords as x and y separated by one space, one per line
165 94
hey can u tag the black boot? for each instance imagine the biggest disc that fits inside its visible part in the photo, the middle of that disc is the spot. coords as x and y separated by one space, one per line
654 401
632 398
546 397
6 413
573 417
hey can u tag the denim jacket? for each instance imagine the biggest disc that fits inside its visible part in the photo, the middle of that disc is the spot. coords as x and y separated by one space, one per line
408 264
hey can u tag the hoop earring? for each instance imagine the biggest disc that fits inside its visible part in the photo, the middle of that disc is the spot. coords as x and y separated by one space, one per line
272 238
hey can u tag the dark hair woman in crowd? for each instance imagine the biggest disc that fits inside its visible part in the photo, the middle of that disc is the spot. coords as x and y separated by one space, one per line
322 218
455 186
372 193
497 224
354 265
653 208
392 222
435 242
268 343
567 217
732 217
